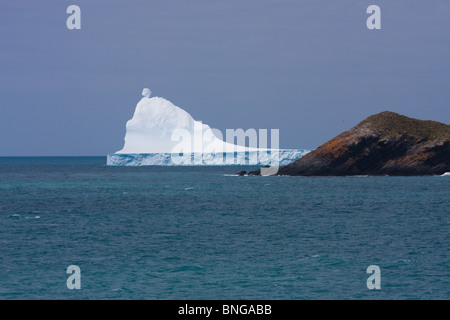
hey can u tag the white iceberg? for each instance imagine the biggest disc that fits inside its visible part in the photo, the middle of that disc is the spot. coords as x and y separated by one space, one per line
152 128
447 174
161 133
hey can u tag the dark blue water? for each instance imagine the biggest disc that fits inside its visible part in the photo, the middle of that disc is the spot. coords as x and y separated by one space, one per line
197 233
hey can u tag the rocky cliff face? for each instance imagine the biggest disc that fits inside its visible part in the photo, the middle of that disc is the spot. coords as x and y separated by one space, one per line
384 144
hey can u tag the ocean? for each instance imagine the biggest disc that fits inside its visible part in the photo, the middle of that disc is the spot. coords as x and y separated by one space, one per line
204 233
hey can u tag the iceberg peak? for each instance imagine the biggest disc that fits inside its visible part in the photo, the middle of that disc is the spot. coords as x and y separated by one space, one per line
146 92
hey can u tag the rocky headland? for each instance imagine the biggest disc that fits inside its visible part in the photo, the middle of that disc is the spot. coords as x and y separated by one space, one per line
383 144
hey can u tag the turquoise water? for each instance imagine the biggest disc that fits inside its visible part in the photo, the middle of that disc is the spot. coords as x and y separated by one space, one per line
200 233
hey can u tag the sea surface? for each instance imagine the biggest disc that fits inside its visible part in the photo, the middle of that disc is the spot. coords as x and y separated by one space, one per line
204 233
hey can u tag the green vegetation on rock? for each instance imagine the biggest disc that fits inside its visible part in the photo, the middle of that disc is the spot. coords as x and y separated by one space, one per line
391 124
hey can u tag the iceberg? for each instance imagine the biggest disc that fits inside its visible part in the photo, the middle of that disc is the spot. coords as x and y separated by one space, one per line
162 134
252 158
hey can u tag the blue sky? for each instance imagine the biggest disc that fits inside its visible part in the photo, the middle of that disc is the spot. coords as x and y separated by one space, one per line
309 68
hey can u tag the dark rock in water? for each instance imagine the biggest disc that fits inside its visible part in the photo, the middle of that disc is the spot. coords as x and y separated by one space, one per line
255 173
241 173
383 144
